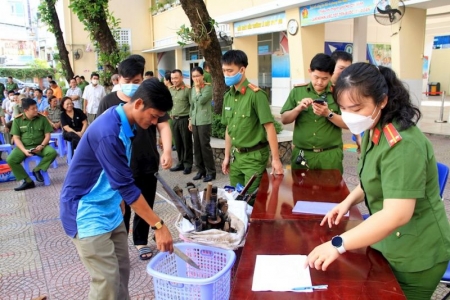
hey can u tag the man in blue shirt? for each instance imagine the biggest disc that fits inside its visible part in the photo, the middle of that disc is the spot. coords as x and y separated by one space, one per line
99 177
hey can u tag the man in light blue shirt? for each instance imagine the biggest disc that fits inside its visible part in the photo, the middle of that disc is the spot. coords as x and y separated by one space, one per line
98 178
41 101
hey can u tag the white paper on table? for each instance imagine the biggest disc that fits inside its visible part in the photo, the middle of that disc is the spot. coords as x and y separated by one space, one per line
314 208
281 273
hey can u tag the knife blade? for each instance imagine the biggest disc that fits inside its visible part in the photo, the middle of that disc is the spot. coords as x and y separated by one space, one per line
184 257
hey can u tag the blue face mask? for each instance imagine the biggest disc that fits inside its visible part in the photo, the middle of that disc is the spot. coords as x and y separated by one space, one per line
129 88
232 80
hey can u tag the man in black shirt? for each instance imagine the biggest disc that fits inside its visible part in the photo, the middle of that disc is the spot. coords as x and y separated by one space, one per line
144 154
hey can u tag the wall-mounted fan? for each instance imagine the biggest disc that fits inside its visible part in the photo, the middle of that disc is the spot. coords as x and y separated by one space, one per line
388 12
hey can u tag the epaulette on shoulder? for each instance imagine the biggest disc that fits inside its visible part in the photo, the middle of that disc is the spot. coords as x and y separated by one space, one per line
187 86
207 83
253 87
391 134
300 84
19 115
171 87
42 115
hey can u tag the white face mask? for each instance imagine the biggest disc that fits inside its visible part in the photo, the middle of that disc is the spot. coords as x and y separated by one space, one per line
358 123
11 98
94 81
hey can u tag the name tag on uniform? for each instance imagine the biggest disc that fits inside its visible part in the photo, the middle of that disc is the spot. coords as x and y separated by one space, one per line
227 108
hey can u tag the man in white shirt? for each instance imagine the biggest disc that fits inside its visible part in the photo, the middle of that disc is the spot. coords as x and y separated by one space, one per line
92 95
6 105
74 92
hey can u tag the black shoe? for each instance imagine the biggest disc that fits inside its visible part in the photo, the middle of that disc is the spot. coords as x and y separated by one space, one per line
199 175
187 171
25 186
177 168
38 176
209 177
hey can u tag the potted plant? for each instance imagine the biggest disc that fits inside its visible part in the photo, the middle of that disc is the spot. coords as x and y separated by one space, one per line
167 4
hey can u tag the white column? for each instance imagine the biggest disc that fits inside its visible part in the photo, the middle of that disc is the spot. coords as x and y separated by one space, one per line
359 39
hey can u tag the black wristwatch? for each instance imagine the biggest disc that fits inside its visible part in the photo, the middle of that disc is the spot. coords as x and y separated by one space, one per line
158 225
330 115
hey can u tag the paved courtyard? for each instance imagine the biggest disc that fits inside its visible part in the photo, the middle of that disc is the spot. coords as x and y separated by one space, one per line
37 258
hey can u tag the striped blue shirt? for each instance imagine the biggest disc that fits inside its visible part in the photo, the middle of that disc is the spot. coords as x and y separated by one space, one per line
99 177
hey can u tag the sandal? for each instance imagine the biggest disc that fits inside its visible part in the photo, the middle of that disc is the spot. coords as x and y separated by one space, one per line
145 253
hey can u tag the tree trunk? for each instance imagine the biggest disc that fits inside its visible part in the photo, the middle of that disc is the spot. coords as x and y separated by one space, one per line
209 44
106 41
63 53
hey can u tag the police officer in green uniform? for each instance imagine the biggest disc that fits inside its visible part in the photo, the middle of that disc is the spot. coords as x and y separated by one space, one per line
200 125
180 116
398 181
30 130
207 73
317 131
250 129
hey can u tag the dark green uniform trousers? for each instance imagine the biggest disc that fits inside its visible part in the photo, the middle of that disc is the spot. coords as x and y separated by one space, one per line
183 142
16 158
203 154
245 165
420 285
326 160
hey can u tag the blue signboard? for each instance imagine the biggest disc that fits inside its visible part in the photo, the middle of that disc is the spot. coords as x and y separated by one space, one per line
335 10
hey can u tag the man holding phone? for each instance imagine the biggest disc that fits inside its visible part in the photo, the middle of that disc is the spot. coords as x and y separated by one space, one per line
31 134
318 124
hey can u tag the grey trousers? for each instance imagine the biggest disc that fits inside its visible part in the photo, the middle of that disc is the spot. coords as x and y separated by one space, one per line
203 154
106 259
91 118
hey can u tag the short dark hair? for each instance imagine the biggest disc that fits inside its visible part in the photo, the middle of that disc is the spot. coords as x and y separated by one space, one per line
82 77
92 75
167 76
50 76
73 79
27 102
341 55
137 57
131 67
205 65
198 69
52 82
149 73
177 71
367 80
236 57
323 63
38 90
10 77
63 100
154 94
76 76
50 99
11 92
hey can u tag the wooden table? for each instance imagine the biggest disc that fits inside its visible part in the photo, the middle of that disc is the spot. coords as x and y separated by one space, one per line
357 274
277 195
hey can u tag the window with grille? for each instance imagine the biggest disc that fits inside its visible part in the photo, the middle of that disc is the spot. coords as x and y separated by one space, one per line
123 37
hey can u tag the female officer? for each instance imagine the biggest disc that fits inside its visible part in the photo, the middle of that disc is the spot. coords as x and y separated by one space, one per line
200 119
398 182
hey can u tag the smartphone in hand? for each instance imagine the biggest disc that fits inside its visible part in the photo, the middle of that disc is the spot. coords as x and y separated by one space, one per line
31 150
319 101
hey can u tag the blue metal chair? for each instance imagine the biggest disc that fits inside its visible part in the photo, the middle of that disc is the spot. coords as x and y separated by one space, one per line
443 176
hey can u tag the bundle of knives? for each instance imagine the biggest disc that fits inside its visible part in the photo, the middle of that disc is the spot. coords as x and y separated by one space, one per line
207 212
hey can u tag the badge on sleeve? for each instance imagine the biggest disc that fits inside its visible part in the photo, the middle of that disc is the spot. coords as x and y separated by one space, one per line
391 134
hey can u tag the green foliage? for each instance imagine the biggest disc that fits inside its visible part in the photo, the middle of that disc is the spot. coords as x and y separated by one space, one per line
39 64
218 129
46 14
278 126
200 36
89 12
26 72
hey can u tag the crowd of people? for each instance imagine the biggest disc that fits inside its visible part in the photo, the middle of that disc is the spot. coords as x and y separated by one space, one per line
116 137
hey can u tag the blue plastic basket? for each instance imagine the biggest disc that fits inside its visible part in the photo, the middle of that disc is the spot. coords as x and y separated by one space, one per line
175 279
